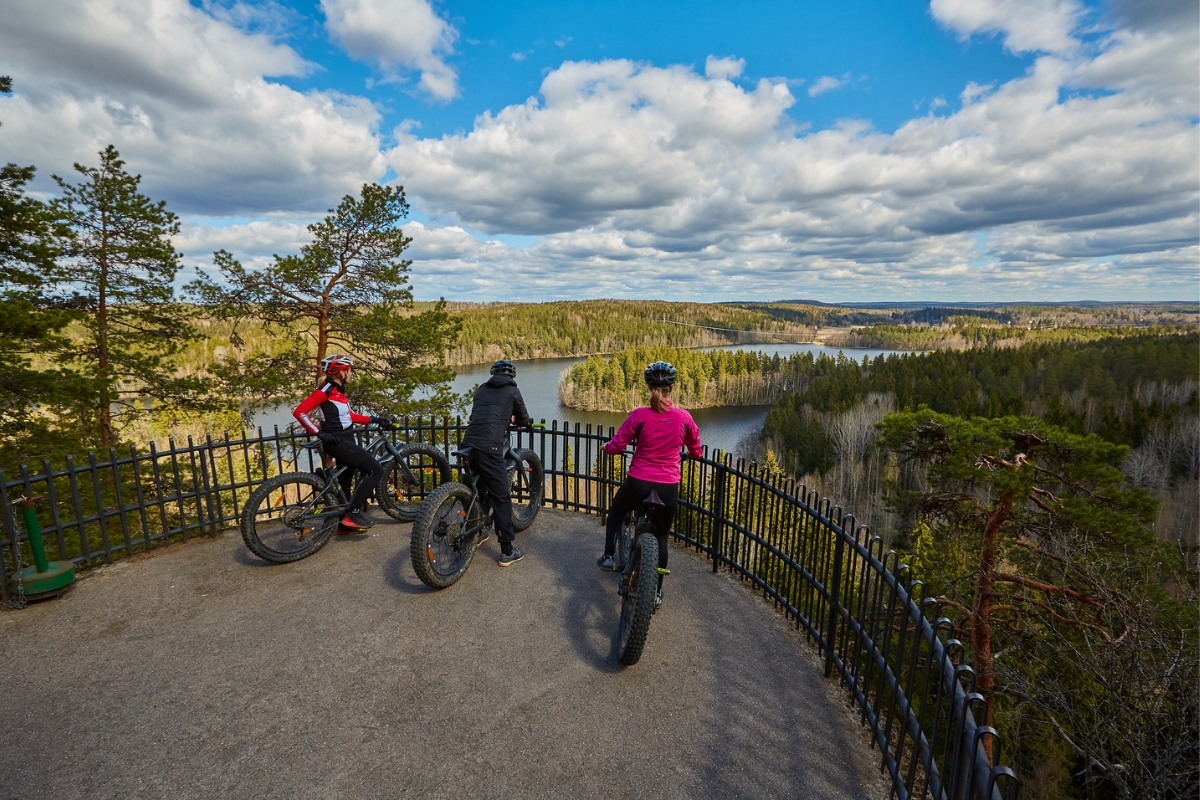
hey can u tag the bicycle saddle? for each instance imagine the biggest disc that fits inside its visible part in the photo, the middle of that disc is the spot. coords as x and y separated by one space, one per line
311 445
653 499
462 452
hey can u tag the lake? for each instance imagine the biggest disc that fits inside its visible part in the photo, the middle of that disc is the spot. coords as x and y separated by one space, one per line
538 379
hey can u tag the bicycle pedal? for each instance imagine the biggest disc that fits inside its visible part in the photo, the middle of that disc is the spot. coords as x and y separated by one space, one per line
664 571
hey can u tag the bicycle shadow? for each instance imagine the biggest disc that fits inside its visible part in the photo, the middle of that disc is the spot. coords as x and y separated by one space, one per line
398 574
590 614
243 556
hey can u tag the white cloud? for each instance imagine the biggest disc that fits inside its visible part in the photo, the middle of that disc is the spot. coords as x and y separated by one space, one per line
1026 25
517 56
397 34
827 83
185 97
1067 182
723 68
253 242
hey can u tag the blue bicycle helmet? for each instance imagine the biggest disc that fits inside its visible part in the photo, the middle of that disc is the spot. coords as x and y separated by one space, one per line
504 368
660 373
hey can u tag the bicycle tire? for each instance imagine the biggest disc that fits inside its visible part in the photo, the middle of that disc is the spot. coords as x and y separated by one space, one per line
275 527
439 555
637 605
397 496
527 486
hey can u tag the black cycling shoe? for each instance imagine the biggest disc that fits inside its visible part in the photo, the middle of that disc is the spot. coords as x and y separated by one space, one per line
361 519
607 563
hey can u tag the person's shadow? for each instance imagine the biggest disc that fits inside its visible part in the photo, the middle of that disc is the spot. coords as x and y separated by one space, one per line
591 612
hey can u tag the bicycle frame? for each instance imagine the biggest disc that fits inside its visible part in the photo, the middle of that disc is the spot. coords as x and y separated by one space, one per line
331 475
512 458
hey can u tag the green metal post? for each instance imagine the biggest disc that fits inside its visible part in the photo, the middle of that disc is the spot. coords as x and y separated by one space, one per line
46 575
34 529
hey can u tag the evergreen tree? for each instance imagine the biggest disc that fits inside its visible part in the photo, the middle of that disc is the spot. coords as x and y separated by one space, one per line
346 292
116 269
29 320
1031 533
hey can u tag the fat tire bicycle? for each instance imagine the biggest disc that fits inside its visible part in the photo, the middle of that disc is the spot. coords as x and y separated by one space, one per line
293 515
452 523
636 558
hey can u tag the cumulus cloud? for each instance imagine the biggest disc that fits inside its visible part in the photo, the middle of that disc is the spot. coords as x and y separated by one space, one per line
1025 25
186 97
827 83
1070 181
394 35
723 68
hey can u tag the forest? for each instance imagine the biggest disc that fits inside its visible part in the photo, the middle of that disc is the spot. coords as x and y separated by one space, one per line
1049 494
571 328
706 378
963 333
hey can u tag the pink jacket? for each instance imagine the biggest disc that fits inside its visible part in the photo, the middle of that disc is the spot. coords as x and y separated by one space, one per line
656 458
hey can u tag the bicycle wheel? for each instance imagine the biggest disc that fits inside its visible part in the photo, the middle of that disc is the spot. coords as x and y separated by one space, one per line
442 541
640 581
526 486
289 517
409 480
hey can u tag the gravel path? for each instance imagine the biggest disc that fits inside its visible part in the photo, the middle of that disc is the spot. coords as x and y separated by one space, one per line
204 673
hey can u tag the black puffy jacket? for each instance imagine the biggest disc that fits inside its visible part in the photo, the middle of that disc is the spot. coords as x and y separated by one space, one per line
496 402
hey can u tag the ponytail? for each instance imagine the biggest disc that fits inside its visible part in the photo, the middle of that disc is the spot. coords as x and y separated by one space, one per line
660 398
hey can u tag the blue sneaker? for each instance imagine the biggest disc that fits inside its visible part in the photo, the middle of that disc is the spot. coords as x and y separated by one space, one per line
507 560
607 563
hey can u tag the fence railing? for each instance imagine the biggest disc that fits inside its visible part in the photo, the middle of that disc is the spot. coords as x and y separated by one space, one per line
893 650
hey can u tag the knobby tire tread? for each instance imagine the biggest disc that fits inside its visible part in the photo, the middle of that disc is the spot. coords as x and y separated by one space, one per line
422 528
537 491
382 496
645 555
262 493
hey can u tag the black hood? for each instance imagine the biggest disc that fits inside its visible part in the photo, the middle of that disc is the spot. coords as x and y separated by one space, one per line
497 381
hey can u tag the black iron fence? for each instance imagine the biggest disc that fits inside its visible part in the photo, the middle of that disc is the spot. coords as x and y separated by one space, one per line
892 648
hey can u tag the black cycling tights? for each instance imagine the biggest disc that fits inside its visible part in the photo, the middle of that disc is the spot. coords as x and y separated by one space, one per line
349 454
629 498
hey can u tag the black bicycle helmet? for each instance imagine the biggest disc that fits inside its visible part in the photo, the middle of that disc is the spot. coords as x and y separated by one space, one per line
660 373
504 368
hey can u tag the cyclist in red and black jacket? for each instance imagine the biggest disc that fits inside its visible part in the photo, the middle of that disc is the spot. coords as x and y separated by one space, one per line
337 437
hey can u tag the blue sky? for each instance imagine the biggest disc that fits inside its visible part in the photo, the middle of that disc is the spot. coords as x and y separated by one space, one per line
897 57
856 151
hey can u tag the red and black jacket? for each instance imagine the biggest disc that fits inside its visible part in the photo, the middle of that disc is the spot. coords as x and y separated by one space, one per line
336 416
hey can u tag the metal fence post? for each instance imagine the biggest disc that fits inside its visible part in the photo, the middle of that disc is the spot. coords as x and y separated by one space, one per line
718 517
835 589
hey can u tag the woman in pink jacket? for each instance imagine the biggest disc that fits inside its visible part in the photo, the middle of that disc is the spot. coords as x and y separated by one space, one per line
660 430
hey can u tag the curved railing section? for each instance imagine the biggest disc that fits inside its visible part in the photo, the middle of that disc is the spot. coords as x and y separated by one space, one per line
892 648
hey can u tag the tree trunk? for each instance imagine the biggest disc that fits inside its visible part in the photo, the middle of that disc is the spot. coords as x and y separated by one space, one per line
322 338
981 630
107 439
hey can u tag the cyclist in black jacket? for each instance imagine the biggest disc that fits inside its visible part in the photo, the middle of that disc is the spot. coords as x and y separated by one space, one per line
498 403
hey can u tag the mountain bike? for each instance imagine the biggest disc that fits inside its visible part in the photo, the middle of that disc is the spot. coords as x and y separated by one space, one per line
452 521
293 515
636 558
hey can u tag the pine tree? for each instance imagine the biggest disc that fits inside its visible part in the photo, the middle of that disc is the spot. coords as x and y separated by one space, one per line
1032 535
29 319
117 269
346 292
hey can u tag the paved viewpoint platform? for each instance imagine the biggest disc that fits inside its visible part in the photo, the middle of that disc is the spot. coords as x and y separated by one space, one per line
206 673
